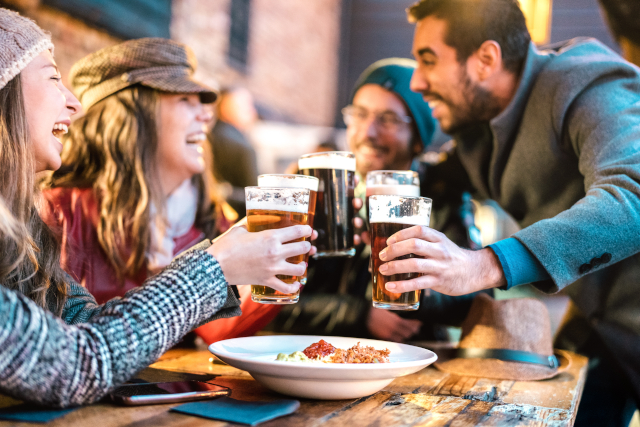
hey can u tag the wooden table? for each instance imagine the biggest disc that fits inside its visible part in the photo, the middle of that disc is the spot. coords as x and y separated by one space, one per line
426 398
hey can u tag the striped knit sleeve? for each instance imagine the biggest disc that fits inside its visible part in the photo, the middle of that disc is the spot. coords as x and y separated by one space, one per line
44 360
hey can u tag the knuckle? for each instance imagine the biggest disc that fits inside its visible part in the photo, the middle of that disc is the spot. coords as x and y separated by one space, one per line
302 230
391 268
272 241
273 251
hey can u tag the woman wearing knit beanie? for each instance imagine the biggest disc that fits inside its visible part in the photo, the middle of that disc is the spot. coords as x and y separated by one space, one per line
79 350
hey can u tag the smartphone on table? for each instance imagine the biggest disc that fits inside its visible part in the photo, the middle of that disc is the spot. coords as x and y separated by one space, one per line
169 392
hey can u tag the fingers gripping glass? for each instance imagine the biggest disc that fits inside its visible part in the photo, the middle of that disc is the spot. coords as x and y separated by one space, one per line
272 208
387 215
295 181
387 120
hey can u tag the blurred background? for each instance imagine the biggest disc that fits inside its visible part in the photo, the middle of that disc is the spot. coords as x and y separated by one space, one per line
299 59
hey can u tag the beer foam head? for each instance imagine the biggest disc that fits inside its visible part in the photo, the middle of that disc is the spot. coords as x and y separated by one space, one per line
277 199
398 190
328 160
289 181
399 210
392 177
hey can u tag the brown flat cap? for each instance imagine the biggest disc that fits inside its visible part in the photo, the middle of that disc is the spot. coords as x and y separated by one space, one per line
158 63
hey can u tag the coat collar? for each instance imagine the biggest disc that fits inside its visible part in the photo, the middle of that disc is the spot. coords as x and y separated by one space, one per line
489 144
505 126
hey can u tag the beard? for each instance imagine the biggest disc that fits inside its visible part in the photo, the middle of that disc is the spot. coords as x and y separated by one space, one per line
478 106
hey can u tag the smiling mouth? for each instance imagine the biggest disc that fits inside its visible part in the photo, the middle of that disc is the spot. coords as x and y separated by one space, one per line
196 138
368 150
59 129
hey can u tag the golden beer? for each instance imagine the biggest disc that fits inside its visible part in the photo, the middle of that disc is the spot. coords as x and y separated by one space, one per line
389 214
273 208
295 181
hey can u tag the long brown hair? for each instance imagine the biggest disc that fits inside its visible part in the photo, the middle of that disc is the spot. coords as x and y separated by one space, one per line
112 149
29 251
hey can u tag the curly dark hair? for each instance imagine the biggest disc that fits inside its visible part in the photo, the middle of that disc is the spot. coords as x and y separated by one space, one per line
472 22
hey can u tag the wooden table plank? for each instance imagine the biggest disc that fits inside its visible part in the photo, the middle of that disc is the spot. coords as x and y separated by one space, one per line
427 398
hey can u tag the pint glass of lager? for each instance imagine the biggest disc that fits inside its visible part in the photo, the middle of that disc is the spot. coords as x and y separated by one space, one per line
334 207
389 214
269 208
399 183
295 181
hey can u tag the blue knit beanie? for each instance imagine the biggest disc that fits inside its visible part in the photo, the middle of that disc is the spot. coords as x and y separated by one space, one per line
394 74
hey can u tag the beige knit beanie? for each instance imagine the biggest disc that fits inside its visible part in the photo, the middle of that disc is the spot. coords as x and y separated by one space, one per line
21 40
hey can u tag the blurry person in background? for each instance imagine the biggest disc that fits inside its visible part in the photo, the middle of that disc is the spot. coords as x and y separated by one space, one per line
234 159
623 17
134 189
388 127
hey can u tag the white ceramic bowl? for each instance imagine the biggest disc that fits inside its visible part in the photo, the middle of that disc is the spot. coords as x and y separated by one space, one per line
327 381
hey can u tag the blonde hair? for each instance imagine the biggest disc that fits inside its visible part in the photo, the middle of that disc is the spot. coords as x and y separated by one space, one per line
112 149
29 251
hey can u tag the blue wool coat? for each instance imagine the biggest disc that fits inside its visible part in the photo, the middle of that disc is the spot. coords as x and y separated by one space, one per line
564 160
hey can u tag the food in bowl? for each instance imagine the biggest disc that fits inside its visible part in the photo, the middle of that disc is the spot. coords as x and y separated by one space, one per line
323 352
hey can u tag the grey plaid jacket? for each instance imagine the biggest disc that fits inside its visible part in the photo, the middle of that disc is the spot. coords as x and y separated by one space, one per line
78 358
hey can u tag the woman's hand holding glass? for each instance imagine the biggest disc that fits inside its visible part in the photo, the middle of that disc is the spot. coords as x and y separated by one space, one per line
256 258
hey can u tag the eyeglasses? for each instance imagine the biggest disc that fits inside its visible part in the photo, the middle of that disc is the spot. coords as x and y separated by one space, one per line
387 120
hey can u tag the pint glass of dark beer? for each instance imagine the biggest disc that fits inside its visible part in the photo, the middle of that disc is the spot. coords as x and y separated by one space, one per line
334 208
269 208
399 183
389 214
295 181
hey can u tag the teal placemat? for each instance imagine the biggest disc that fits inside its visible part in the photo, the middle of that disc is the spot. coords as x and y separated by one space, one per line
239 411
32 413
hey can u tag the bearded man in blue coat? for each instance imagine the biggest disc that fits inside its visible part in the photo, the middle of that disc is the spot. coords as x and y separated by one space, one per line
553 135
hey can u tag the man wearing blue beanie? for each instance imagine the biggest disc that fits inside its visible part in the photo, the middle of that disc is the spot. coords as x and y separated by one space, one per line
388 127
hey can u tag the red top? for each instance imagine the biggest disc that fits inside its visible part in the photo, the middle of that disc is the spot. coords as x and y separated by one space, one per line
73 214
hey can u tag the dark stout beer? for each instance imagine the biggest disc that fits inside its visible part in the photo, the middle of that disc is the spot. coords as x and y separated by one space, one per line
272 208
295 181
389 215
334 211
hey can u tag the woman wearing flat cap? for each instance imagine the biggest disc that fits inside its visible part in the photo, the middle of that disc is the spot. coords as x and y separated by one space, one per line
57 345
135 187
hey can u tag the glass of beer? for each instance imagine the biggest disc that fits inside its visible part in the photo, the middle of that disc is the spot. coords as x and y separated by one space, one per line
269 208
389 214
400 183
334 208
295 181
